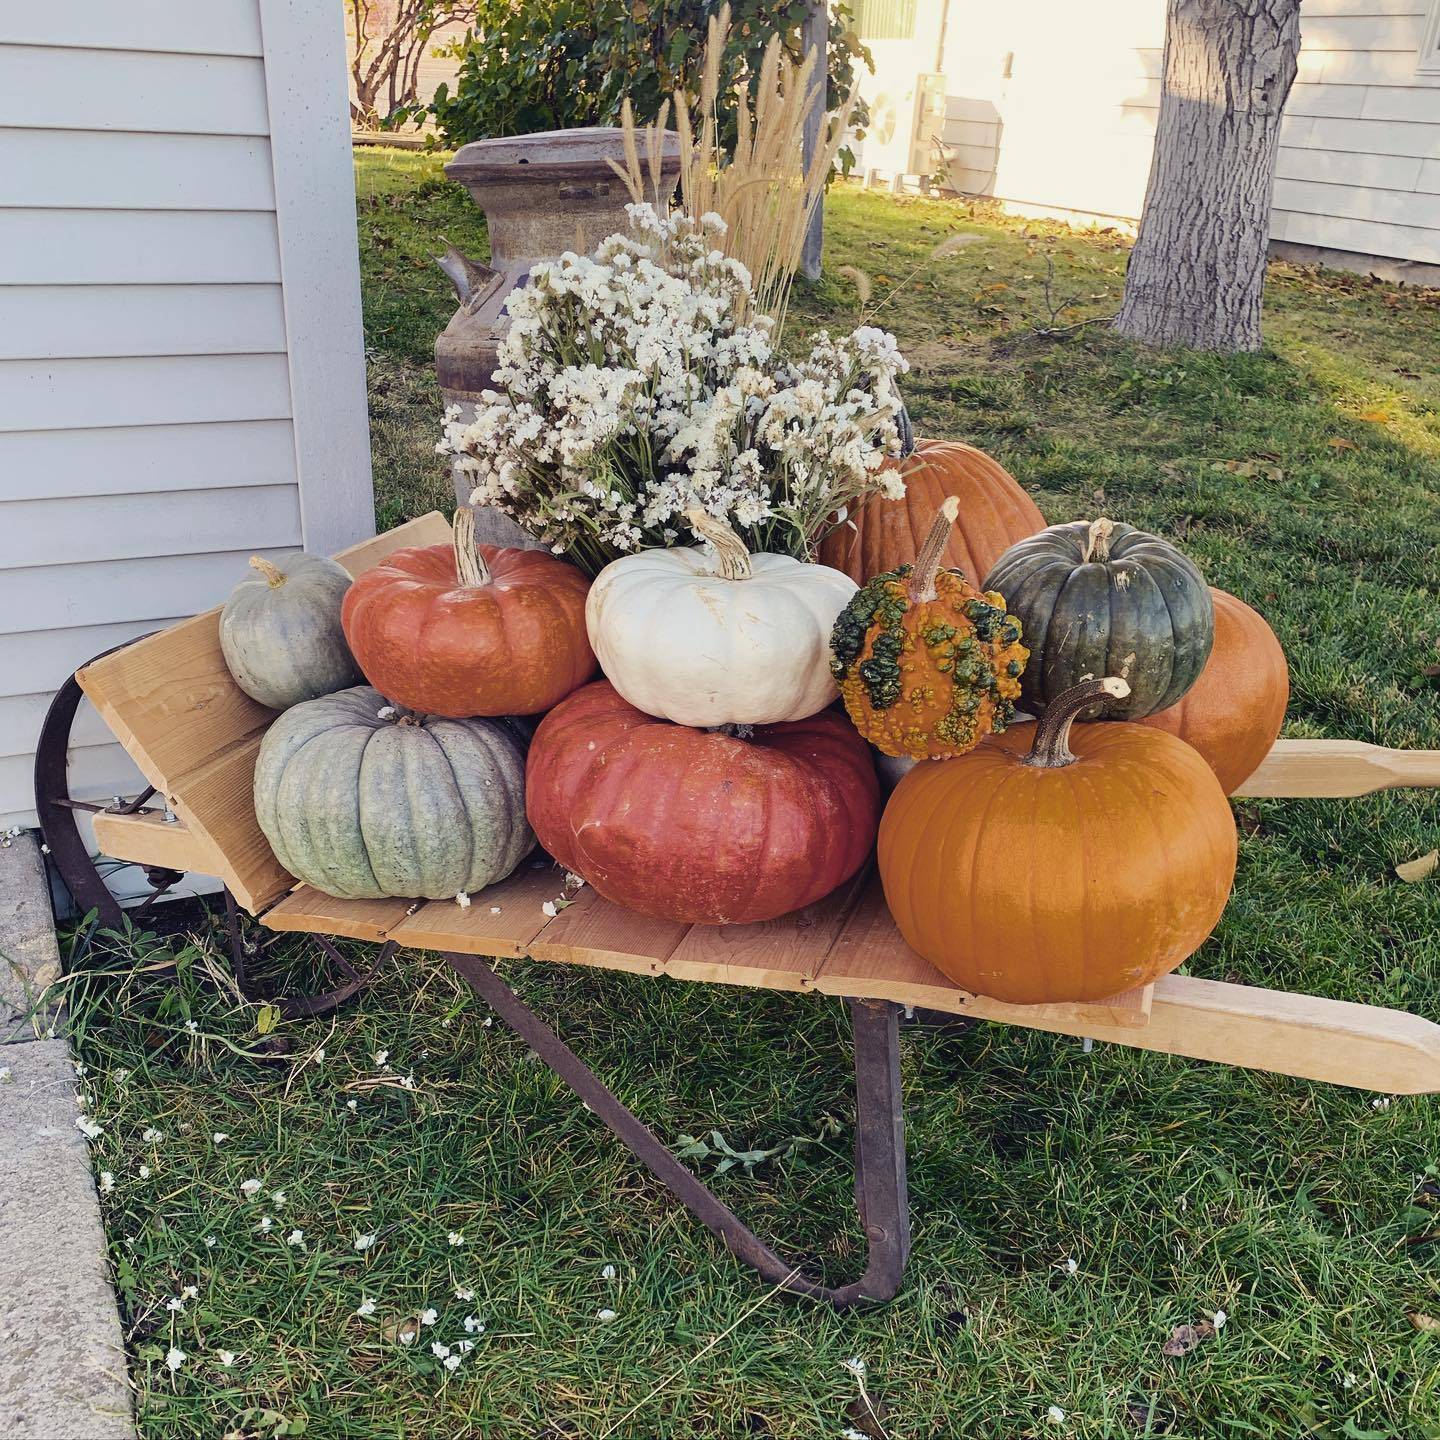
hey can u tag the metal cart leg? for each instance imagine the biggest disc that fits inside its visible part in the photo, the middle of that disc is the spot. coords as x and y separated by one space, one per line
879 1143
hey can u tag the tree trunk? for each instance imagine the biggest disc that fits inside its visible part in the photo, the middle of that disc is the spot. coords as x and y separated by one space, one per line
1198 265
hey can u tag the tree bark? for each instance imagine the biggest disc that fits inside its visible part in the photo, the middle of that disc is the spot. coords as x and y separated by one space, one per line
1198 265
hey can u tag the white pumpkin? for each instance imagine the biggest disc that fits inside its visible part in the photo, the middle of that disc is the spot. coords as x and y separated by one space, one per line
727 638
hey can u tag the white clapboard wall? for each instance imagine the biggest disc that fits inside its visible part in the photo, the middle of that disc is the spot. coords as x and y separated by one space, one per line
1051 107
181 358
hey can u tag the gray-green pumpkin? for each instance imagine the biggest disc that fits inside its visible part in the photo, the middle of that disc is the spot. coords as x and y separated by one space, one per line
280 631
1098 598
362 800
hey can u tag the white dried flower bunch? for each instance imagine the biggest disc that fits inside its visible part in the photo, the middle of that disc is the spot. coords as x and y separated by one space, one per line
632 390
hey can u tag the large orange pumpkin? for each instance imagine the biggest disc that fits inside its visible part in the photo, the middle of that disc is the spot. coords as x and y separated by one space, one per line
466 629
927 665
1034 873
883 534
1234 711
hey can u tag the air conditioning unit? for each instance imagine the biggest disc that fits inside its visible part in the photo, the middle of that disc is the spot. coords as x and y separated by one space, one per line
907 118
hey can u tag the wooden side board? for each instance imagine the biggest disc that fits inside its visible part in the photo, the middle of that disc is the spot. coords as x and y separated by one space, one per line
171 702
847 945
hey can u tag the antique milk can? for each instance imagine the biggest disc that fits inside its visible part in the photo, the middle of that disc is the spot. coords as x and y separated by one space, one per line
542 195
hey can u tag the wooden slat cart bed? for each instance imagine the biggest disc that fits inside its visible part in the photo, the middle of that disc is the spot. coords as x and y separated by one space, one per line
194 735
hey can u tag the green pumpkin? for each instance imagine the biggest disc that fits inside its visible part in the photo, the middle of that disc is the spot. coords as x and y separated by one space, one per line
362 800
1098 598
280 631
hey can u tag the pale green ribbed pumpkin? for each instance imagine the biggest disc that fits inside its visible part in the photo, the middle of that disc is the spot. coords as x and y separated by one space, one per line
280 631
361 801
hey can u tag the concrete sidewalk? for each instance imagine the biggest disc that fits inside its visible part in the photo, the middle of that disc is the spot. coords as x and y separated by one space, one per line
62 1361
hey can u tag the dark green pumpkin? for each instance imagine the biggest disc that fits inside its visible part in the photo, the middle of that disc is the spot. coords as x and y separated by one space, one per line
1100 598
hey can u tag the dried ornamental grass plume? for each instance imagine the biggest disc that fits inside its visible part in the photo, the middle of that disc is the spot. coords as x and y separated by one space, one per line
635 389
764 192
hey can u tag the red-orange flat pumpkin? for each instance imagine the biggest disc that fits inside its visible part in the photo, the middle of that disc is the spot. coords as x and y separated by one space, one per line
467 629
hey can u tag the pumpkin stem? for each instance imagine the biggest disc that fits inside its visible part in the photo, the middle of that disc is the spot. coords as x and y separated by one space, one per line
470 566
733 557
927 562
1097 543
1051 747
274 576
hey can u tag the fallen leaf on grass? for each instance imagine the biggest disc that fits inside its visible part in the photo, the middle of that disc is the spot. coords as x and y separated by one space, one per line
1339 442
1374 417
1424 1322
1252 469
1419 869
1184 1338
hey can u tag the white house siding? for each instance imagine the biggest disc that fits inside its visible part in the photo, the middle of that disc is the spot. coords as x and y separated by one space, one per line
181 382
1051 107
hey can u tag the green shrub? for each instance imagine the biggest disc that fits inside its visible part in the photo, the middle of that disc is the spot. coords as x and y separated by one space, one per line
555 64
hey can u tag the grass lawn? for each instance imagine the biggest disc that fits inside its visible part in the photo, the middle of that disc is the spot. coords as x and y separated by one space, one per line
1305 479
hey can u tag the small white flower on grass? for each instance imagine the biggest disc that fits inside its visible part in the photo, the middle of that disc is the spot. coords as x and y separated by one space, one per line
190 1292
278 1197
1350 1380
856 1366
88 1128
174 1358
352 1106
549 908
605 1316
107 1182
225 1357
429 1317
1380 1102
382 1059
465 1346
193 1026
474 1325
439 1351
385 712
574 881
219 1137
120 1076
407 1337
144 1172
296 1238
266 1225
455 1238
209 1242
176 1304
250 1187
488 1021
319 1056
851 1433
365 1308
1218 1319
608 1273
364 1242
150 1135
462 1293
1071 1265
1055 1415
462 900
407 1082
81 1068
452 1362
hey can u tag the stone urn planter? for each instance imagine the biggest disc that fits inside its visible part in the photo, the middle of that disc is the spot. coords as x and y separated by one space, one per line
542 195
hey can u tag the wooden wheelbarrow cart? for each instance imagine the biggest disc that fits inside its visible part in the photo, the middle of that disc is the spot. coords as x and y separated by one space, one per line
194 735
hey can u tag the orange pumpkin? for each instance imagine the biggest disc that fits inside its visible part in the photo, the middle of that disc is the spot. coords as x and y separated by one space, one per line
1035 874
1234 711
466 629
883 534
927 665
